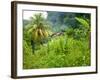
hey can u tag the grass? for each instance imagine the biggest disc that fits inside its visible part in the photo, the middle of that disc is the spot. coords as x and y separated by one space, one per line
61 51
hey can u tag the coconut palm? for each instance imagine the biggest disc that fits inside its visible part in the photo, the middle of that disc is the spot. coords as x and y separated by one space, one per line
40 28
37 30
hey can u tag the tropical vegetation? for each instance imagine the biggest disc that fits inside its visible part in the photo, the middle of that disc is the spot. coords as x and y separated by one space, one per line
60 40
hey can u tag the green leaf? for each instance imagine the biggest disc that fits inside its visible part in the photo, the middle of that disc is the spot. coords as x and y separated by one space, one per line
82 21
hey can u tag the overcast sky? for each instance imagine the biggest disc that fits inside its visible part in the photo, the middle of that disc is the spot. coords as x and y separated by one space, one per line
28 14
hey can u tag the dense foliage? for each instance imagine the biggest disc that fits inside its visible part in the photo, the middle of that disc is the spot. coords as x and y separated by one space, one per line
61 40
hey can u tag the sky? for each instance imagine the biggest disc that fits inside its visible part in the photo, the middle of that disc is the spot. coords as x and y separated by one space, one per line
28 14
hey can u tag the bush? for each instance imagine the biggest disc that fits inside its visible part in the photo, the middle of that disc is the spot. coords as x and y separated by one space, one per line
61 51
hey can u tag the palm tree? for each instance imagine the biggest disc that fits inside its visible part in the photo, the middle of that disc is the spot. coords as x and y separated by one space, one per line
40 28
37 30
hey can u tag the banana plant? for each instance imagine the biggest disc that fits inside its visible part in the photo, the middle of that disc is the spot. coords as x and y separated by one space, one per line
84 23
86 28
